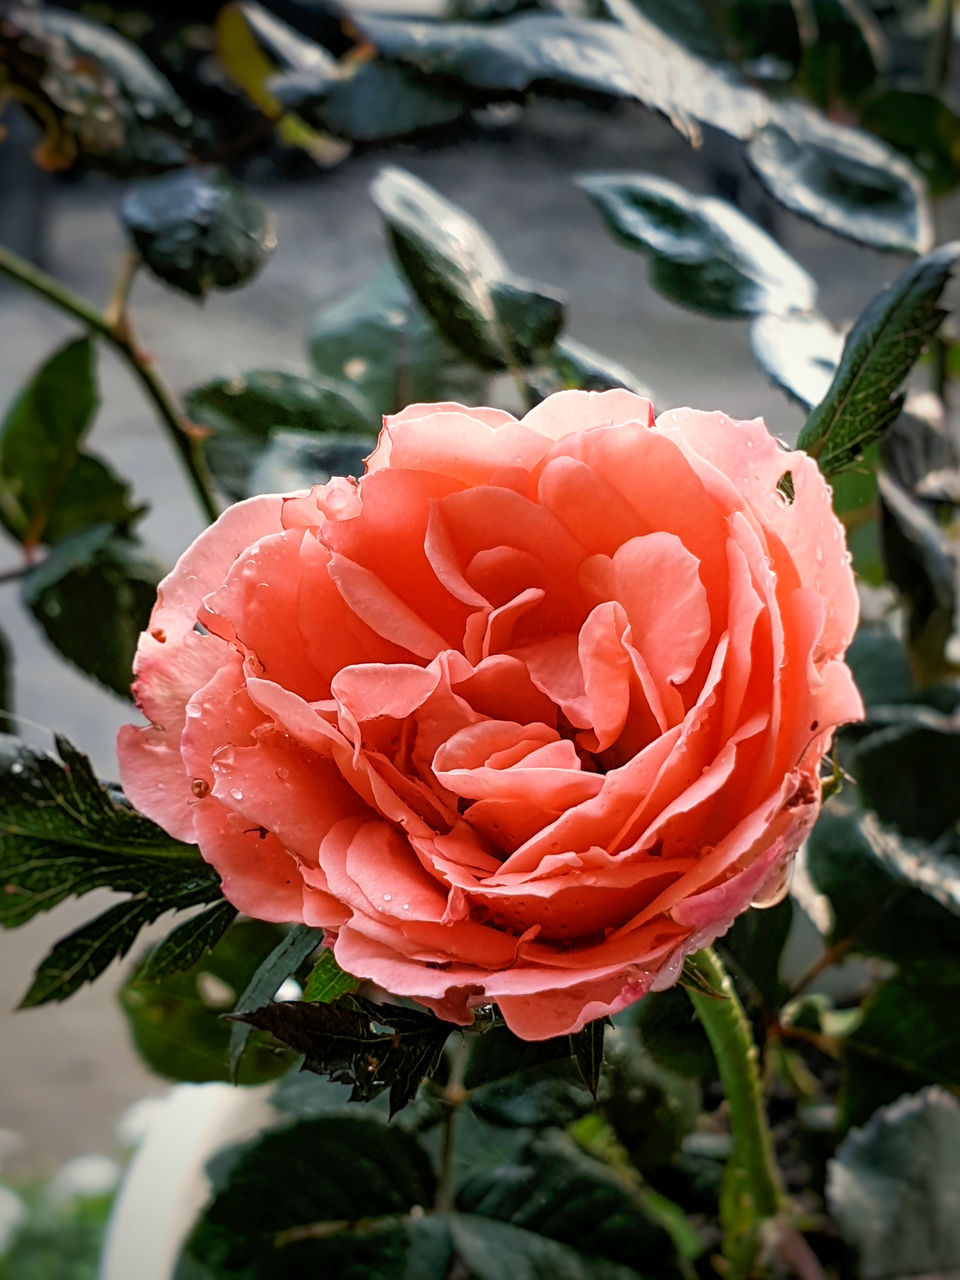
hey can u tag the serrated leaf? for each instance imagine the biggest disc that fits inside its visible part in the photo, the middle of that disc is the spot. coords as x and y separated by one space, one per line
197 230
455 270
704 254
327 981
283 960
892 1187
244 413
843 179
671 1034
177 1018
799 352
549 1093
63 834
188 943
369 1046
92 595
382 344
879 352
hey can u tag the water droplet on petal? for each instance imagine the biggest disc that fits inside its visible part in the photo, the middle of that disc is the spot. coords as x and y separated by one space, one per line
237 793
387 897
200 787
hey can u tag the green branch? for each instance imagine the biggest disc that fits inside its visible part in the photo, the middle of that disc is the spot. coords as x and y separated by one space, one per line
121 338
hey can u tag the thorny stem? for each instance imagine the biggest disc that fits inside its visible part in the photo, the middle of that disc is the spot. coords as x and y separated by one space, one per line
114 326
454 1095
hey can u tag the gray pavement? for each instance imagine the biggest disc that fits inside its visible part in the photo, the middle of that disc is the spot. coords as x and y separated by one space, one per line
67 1072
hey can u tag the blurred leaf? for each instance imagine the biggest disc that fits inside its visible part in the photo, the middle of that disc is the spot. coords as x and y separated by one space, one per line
800 352
909 1037
879 352
920 799
285 959
92 92
369 1046
327 981
752 949
879 665
48 488
704 254
698 25
460 279
298 459
382 343
841 62
176 1018
876 910
242 413
243 31
586 1046
842 178
197 230
671 1034
578 366
371 102
187 944
549 1093
923 128
492 1250
63 834
497 1053
265 1217
93 595
892 1187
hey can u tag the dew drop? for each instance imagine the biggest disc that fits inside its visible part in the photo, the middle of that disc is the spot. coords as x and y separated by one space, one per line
200 787
406 906
283 773
387 897
237 793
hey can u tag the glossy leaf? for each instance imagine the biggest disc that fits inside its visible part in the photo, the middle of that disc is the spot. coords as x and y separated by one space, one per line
879 352
197 230
921 126
92 596
671 1034
382 344
176 1016
799 352
549 1093
892 1187
842 178
298 459
263 984
704 254
63 834
582 368
242 413
48 487
327 981
187 944
752 950
491 1249
922 802
460 279
369 1046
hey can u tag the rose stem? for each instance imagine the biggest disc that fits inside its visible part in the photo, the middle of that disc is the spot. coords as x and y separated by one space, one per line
454 1095
119 333
728 1030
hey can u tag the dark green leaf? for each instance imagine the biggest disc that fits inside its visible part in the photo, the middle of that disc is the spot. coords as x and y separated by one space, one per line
188 943
704 254
327 981
460 279
842 178
491 1250
671 1034
879 352
177 1018
920 799
923 128
338 1170
373 102
842 62
286 957
197 230
892 1188
587 1050
752 949
93 595
799 352
580 367
243 413
299 459
551 1093
369 1046
497 1053
63 834
879 664
381 343
909 1037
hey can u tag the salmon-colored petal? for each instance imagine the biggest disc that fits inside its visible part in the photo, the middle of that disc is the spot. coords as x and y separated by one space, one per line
570 411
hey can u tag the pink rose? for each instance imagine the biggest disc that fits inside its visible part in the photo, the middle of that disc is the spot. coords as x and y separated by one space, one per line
527 715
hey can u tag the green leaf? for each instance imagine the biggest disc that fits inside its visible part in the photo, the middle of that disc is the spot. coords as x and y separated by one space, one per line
369 1046
843 179
455 270
879 352
879 664
371 101
188 943
63 834
243 414
842 62
921 126
892 1187
497 1053
586 1046
920 799
284 1187
298 460
909 1037
382 344
197 230
93 595
491 1250
550 1093
327 981
286 957
580 367
752 949
800 352
177 1018
671 1034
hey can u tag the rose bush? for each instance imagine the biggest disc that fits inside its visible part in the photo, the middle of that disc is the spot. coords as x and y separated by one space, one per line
526 715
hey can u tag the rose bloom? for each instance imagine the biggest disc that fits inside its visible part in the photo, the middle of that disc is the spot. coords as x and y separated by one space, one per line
526 715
